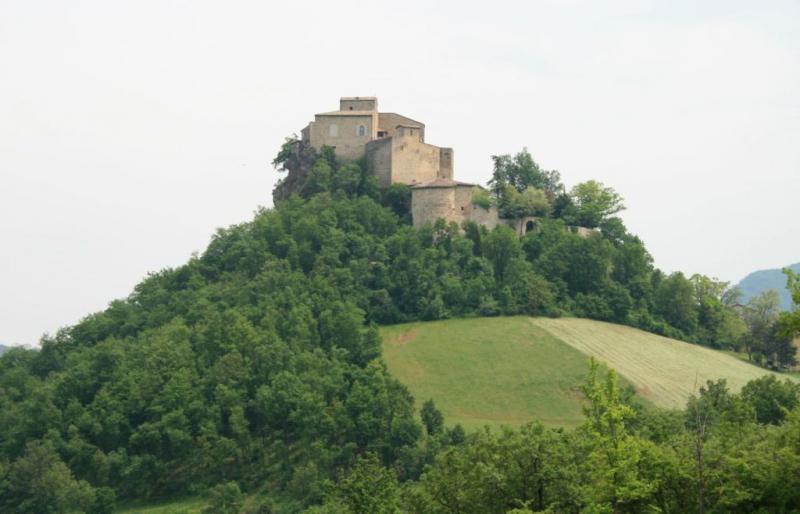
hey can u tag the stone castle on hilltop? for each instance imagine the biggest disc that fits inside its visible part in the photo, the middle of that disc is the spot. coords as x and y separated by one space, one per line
394 149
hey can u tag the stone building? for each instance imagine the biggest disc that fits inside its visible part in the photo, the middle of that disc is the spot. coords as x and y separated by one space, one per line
394 149
394 145
450 200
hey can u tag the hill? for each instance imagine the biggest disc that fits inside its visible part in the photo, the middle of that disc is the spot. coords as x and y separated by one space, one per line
764 280
511 370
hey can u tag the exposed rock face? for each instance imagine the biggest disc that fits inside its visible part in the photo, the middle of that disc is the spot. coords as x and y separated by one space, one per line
297 165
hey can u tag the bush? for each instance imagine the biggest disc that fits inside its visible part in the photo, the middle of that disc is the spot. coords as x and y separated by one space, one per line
225 498
482 199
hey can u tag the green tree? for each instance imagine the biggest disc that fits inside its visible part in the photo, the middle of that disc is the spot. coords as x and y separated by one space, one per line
675 301
40 482
592 204
760 315
521 172
530 202
432 418
616 456
225 498
791 321
368 488
320 178
770 398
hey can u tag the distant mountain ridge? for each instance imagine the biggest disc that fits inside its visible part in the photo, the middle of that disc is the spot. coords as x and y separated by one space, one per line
759 281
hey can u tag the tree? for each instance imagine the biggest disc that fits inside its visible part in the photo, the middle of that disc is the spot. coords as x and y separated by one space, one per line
432 418
522 172
530 202
225 498
675 301
760 315
592 203
347 179
367 488
621 484
398 198
791 323
770 398
319 179
501 247
41 482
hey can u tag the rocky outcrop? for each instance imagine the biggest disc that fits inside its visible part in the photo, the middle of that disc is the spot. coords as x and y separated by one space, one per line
295 159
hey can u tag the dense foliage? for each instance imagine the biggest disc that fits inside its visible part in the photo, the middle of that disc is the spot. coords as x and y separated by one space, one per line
256 366
716 456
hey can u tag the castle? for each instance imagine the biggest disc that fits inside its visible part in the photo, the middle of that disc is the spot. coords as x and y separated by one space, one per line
395 152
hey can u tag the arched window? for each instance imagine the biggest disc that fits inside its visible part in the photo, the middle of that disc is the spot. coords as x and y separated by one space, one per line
530 225
362 131
333 130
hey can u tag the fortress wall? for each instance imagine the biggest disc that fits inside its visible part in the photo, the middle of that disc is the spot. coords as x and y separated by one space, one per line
358 104
486 217
430 204
379 161
413 161
464 200
446 163
349 146
388 122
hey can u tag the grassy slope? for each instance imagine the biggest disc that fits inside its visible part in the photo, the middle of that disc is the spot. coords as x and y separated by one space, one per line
513 370
663 370
488 370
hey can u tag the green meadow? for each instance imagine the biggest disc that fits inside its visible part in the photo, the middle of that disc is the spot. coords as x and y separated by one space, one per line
512 370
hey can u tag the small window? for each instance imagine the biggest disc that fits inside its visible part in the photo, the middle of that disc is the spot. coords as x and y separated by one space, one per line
333 130
412 132
351 107
362 131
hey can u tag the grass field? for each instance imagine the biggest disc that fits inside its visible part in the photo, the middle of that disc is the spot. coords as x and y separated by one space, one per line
488 371
662 370
494 371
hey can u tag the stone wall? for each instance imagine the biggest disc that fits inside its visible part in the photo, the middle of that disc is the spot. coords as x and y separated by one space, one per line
413 161
430 204
358 103
446 163
388 122
349 145
489 218
523 225
450 203
379 161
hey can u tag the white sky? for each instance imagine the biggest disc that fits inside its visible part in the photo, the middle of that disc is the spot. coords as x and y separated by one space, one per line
130 131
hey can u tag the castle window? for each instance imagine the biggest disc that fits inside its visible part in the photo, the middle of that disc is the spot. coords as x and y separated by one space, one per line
412 132
333 130
530 225
362 131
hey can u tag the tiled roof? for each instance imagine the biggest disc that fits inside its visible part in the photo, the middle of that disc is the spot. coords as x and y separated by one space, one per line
347 113
441 182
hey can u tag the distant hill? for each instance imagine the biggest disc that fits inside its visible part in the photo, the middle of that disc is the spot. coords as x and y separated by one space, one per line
763 280
3 349
511 370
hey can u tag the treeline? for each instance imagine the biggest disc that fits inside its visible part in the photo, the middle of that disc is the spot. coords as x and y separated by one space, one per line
258 362
609 277
725 453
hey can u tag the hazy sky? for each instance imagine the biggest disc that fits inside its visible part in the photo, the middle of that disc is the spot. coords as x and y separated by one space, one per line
130 131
